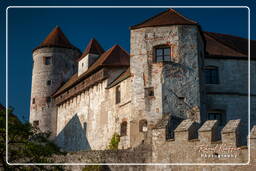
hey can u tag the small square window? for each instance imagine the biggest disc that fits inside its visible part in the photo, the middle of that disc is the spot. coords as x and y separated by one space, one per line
217 115
49 82
47 60
48 99
33 101
36 123
149 92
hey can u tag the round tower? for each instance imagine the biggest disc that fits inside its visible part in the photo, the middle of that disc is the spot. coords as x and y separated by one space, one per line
53 63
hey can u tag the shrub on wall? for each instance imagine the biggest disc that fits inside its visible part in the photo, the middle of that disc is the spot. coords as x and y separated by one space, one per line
113 145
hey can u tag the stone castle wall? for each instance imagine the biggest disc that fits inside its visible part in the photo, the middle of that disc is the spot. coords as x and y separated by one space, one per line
231 94
181 150
200 145
89 120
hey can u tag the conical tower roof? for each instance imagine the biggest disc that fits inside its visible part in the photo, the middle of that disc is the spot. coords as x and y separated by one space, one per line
93 47
166 18
56 39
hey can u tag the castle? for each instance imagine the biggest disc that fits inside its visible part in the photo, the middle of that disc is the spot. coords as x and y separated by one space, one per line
176 77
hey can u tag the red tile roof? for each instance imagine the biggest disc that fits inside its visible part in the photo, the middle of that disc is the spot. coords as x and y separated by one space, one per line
56 39
218 44
166 18
93 47
114 57
120 78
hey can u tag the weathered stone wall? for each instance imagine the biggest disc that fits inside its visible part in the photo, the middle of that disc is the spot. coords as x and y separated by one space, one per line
231 94
176 84
206 147
180 150
61 68
89 120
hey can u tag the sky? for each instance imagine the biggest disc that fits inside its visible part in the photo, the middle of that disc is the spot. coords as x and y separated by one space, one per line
27 28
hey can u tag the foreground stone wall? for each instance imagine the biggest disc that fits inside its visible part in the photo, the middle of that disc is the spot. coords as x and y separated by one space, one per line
175 154
194 145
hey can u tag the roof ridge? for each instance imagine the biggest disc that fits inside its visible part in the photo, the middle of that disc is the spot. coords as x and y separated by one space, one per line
56 38
226 44
165 18
182 16
123 49
93 47
150 18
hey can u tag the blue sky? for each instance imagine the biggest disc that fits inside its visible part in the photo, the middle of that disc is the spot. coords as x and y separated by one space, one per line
27 28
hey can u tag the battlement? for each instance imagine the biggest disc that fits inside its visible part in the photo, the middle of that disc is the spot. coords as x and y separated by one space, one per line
209 132
206 143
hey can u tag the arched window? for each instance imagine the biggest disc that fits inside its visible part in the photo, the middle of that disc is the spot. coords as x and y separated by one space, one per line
143 125
123 129
162 53
211 74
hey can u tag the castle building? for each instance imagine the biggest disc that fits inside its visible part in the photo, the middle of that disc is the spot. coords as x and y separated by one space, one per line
174 70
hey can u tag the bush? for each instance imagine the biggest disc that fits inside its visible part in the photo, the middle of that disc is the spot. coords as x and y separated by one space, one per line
113 145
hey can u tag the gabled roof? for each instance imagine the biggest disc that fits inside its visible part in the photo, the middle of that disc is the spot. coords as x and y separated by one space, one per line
56 39
218 44
166 18
93 47
120 78
114 57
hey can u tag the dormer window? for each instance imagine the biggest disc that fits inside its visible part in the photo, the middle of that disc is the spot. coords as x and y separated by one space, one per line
162 53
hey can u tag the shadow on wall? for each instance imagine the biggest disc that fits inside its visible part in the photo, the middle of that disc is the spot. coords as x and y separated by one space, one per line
73 136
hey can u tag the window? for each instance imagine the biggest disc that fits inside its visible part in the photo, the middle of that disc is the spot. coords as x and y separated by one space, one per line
48 99
33 101
118 95
211 75
36 123
149 92
143 125
123 129
49 82
47 60
217 115
162 53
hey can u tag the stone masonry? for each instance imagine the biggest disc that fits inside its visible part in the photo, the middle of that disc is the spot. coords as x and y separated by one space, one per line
179 94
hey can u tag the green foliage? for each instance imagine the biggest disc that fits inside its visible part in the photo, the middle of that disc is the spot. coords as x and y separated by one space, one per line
26 144
93 168
113 145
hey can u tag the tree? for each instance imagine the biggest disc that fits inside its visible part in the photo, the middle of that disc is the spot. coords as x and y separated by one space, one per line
26 144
